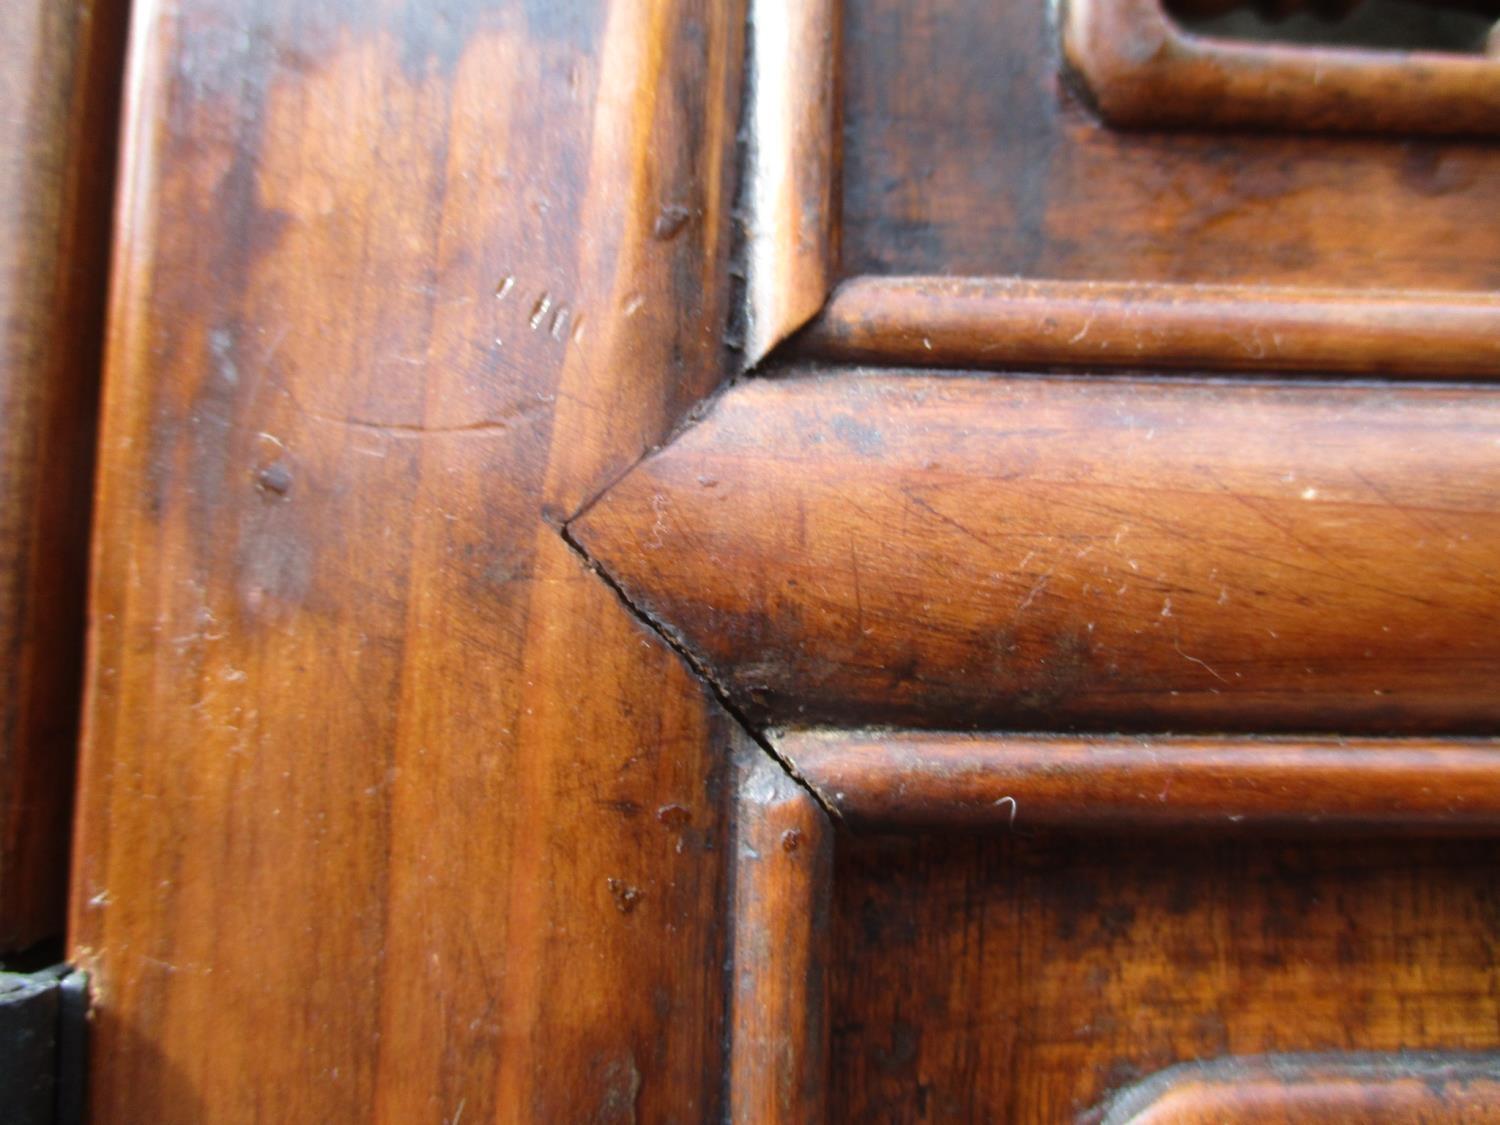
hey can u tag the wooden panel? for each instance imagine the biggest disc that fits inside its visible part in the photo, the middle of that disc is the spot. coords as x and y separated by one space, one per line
891 780
1008 323
1359 1089
59 91
951 551
966 153
783 870
391 811
985 979
1142 69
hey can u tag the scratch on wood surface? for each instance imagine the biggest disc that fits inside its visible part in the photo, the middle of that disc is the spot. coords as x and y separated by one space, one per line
1014 808
1201 663
1032 594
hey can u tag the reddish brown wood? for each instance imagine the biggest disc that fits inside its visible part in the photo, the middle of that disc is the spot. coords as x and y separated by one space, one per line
783 867
1009 322
59 95
967 153
1363 1089
391 810
862 548
1142 69
880 781
1003 978
792 170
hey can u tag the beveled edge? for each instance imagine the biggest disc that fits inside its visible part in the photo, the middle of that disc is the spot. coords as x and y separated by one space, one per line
781 864
791 191
909 781
1005 323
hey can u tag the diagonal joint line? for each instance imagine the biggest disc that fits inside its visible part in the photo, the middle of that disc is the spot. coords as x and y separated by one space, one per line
700 667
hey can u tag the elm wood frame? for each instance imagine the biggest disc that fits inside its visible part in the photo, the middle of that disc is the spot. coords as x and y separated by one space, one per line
1257 786
203 896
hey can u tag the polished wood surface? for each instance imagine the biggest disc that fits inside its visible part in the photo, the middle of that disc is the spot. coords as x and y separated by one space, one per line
783 868
391 810
966 152
964 551
59 95
908 781
1336 1089
789 201
1142 69
1027 979
457 588
1015 323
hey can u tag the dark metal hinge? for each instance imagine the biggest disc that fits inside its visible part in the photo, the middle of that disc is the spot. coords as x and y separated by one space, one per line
43 1040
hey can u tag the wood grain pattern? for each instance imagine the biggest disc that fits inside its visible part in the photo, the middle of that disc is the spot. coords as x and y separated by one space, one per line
967 153
391 811
1015 323
1356 1089
950 551
1142 70
790 201
903 781
783 867
1013 979
59 95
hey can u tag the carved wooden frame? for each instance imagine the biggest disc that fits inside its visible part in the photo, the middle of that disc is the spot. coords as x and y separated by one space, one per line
284 490
789 798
